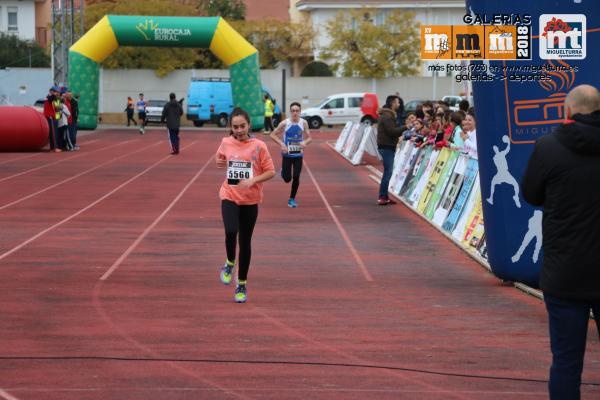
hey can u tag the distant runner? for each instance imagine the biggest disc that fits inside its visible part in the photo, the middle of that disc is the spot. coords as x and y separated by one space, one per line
296 136
141 107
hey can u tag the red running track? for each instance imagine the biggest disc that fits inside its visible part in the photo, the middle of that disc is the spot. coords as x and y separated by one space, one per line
109 262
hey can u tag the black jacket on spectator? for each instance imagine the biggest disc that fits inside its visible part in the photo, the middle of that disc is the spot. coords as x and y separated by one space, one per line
399 113
563 176
172 112
74 110
388 130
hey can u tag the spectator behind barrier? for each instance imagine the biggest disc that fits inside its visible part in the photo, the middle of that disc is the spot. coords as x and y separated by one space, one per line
440 109
456 138
400 112
419 112
410 128
388 134
438 127
420 132
470 135
427 106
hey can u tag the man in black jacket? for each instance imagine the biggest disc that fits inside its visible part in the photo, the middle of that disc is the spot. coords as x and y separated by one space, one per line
172 112
388 133
74 100
563 177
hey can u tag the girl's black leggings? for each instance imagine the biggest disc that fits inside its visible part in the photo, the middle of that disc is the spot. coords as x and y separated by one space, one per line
239 220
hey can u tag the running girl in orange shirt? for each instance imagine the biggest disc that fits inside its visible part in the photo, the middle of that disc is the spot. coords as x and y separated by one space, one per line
248 164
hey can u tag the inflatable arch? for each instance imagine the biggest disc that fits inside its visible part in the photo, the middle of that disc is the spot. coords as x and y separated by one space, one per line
214 33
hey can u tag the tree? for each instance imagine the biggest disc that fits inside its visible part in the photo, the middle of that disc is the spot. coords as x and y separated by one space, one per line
316 68
15 52
277 41
361 48
231 10
161 60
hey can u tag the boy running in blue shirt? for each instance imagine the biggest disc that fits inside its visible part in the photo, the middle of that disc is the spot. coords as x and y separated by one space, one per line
141 107
296 136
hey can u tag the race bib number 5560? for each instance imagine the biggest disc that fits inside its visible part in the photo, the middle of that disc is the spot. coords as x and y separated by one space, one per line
238 170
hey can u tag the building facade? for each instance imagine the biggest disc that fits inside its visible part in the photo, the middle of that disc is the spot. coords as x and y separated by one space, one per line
267 9
29 20
18 18
43 22
319 12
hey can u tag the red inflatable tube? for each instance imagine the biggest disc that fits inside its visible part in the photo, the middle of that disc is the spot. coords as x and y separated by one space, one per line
22 129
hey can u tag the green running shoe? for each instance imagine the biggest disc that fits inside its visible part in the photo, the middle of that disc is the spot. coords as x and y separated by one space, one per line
240 295
226 274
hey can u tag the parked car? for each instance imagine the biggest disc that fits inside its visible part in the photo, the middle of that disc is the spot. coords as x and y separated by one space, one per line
452 101
211 100
39 105
335 109
411 106
154 110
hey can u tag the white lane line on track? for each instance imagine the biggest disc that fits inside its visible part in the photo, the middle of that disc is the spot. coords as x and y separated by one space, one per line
153 224
81 154
359 261
75 176
7 396
40 153
127 182
192 371
20 158
89 141
404 375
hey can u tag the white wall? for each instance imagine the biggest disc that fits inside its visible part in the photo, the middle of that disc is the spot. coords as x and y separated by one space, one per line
22 86
118 84
25 18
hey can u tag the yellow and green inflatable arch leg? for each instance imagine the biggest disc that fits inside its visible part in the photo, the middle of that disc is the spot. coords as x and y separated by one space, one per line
214 33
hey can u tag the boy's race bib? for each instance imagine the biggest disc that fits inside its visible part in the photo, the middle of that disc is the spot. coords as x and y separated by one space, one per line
294 148
238 170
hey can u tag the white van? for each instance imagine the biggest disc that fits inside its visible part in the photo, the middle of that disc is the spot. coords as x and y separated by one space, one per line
335 109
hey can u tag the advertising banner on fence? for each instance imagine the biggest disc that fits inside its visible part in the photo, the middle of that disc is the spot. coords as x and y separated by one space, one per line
517 102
